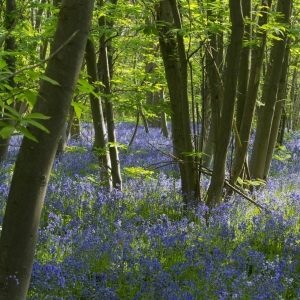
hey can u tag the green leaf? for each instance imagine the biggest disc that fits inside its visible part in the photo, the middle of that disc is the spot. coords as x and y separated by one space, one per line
79 107
138 171
118 145
240 180
78 111
46 78
7 131
30 97
84 82
27 134
36 116
84 89
36 124
2 63
196 154
13 111
92 179
32 74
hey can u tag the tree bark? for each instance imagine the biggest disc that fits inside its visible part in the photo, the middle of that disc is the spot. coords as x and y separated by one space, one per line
278 111
269 96
214 194
163 117
250 103
98 119
245 64
34 162
175 63
216 89
105 76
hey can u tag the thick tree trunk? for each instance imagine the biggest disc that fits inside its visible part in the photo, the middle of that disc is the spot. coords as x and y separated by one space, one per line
269 96
105 74
34 162
214 195
98 119
249 106
175 64
11 64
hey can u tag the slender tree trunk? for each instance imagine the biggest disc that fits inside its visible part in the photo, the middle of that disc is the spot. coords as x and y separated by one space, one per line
245 64
11 64
75 128
296 112
163 117
98 119
175 63
214 195
34 162
216 88
152 97
249 106
269 96
278 111
113 149
39 15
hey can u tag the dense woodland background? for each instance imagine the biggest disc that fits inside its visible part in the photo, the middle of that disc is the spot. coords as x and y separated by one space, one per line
217 79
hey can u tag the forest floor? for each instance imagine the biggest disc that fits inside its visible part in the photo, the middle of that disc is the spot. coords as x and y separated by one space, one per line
140 244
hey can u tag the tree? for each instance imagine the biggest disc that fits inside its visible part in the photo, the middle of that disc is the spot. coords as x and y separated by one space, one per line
34 162
215 86
214 194
175 63
105 76
269 96
98 119
244 122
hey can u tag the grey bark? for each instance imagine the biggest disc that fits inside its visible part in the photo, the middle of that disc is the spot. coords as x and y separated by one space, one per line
34 162
215 86
281 94
251 96
105 76
214 194
269 96
163 117
245 64
175 64
98 119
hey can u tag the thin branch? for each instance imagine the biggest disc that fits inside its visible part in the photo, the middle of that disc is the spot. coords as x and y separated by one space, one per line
208 172
41 62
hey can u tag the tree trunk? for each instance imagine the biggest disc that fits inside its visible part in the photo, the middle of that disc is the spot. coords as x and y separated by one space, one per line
34 162
175 63
152 97
249 106
278 111
98 119
10 44
214 195
75 128
216 88
163 117
245 64
105 74
269 96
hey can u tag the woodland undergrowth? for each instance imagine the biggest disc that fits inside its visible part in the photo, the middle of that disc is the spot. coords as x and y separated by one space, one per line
142 244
